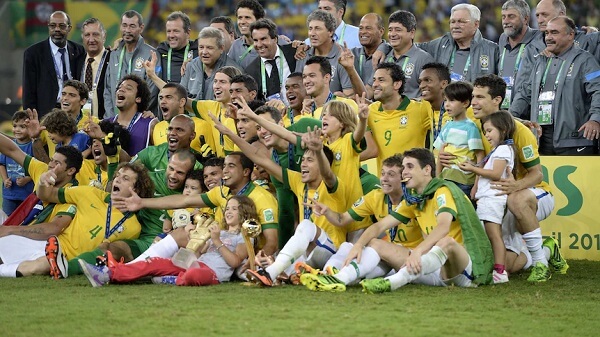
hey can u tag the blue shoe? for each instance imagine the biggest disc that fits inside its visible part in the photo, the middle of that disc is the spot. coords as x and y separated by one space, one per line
165 280
97 275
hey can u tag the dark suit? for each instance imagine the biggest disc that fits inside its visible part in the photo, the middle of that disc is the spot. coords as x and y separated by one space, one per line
100 89
254 67
40 85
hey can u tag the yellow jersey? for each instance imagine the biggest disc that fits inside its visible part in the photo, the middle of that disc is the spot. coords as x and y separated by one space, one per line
317 112
396 131
335 198
90 171
201 127
442 201
88 229
265 202
223 145
377 205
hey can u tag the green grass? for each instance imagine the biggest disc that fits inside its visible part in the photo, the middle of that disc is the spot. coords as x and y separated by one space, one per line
567 305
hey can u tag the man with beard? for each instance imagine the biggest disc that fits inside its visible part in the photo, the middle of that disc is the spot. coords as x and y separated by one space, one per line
128 58
50 63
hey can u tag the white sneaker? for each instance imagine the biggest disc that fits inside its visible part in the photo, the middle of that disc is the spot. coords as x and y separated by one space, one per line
500 278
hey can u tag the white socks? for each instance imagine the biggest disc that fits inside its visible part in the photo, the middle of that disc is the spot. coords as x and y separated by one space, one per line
533 241
353 271
430 262
166 248
9 270
295 247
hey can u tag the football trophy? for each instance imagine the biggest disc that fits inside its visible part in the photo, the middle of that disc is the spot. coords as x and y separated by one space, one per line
250 229
185 257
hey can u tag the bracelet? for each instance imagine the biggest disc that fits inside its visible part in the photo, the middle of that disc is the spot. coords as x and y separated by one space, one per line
221 246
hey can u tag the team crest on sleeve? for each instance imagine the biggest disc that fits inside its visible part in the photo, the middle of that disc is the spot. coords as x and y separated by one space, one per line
268 215
358 202
72 209
410 68
484 62
441 200
528 152
139 63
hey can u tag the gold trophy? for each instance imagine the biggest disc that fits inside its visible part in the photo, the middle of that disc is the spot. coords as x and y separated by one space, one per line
198 237
250 229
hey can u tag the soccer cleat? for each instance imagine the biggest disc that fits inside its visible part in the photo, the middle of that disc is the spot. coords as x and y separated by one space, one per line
303 268
97 275
57 260
108 260
260 277
500 278
539 273
331 270
376 286
556 260
322 283
171 279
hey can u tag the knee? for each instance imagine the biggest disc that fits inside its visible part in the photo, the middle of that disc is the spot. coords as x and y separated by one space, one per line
520 201
448 245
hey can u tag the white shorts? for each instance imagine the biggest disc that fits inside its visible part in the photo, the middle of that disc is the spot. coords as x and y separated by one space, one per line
16 249
491 209
464 279
545 206
322 252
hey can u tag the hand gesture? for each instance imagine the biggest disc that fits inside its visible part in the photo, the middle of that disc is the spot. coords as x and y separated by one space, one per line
93 130
377 58
48 178
277 104
307 106
466 166
506 185
243 110
129 204
150 65
346 58
215 233
219 126
318 209
301 49
22 181
7 183
33 124
363 106
312 139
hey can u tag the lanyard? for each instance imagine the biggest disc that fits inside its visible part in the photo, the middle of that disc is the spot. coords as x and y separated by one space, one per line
290 153
361 60
221 138
290 113
248 50
391 59
308 210
543 84
121 63
467 64
341 37
517 62
108 231
98 73
394 229
98 173
131 122
314 107
437 129
263 74
187 48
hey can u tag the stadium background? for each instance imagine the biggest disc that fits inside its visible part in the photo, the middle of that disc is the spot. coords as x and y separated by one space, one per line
573 222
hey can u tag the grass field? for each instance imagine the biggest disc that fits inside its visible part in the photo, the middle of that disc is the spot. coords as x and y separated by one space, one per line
567 305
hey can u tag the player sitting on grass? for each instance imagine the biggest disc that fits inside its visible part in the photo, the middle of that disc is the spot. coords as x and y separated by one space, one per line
220 255
455 249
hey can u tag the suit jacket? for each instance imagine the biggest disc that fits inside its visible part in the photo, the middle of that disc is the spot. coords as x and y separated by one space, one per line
40 85
254 70
100 85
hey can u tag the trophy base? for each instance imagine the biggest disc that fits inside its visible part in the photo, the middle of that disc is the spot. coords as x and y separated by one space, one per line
184 258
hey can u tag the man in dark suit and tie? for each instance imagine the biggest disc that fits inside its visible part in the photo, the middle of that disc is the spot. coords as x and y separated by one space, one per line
49 63
275 62
93 72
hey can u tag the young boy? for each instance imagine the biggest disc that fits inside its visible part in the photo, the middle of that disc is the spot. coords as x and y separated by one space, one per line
460 136
62 130
16 185
193 186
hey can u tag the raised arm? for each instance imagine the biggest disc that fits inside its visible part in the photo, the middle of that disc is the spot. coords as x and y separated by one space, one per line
274 128
150 66
363 115
135 203
312 139
335 218
346 59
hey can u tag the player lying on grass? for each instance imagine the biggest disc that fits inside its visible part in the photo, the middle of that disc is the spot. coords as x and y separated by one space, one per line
219 256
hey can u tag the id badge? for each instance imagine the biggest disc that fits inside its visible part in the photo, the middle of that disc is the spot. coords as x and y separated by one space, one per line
276 96
545 101
454 77
507 97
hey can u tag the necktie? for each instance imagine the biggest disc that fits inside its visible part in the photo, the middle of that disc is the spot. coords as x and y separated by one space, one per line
88 73
64 75
274 72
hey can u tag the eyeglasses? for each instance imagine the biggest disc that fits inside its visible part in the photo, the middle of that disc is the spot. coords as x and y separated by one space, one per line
62 26
460 22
